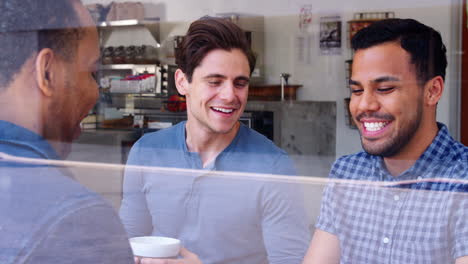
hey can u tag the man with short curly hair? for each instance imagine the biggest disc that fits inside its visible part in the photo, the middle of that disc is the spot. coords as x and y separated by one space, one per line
404 198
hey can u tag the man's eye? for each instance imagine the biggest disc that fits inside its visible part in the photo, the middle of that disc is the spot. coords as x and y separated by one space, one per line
241 84
356 91
386 89
94 75
214 83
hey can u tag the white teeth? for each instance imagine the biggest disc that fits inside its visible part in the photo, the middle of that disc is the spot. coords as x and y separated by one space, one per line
224 110
374 126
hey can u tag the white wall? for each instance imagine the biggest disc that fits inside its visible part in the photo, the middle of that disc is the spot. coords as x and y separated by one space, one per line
324 78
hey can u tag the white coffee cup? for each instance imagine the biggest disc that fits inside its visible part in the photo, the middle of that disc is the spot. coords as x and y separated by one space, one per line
155 247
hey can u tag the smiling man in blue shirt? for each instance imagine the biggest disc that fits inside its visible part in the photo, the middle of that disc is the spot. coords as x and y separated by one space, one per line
418 212
221 219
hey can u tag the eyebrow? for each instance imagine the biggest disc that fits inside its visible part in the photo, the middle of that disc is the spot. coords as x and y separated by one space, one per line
216 75
353 82
386 79
243 78
378 80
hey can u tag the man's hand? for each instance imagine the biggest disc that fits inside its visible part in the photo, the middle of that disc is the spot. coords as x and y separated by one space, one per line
462 260
324 248
187 258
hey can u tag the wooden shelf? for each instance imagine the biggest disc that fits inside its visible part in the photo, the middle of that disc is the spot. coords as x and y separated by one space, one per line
272 92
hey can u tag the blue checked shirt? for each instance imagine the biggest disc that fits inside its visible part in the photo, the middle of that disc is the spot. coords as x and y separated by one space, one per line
421 216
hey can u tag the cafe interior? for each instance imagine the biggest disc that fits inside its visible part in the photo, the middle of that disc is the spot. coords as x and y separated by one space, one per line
298 93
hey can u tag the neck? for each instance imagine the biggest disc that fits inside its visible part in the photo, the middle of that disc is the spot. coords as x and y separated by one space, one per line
208 144
409 154
21 109
22 105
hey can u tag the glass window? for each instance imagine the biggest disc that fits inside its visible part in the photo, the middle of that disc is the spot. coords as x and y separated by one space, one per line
234 131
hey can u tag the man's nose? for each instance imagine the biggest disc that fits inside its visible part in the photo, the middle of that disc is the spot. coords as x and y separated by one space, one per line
368 102
227 92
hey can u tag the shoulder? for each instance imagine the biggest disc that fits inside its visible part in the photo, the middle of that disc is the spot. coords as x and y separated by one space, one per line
458 160
450 156
163 138
445 148
154 148
55 212
251 141
354 166
257 154
57 190
461 151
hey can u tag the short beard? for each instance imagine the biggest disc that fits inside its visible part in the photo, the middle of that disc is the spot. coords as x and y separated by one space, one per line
57 130
394 145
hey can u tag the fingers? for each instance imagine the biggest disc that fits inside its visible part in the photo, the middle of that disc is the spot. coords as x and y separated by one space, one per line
187 258
157 261
185 253
151 261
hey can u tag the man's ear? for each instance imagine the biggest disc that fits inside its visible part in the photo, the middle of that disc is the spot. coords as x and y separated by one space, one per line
181 82
45 71
433 90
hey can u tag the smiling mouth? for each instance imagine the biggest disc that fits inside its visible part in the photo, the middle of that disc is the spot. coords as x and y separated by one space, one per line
375 126
223 110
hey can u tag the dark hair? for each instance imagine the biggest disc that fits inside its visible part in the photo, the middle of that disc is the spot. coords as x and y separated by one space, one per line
422 42
28 26
207 34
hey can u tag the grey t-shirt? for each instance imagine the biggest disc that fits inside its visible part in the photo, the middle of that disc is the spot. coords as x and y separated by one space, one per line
224 218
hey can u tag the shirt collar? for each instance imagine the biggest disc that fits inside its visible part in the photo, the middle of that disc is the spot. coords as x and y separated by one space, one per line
194 157
434 155
19 141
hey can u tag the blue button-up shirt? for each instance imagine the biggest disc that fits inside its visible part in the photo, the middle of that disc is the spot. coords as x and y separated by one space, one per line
46 216
21 142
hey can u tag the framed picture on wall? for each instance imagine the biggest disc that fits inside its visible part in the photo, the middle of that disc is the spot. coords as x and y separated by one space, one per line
330 35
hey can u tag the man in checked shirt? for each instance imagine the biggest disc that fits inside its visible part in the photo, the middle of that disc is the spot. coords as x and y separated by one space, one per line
413 207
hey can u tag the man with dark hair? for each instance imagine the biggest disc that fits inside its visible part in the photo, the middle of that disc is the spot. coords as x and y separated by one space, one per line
404 198
47 61
222 218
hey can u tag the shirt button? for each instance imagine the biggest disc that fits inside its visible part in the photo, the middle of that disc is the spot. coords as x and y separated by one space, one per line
386 240
396 197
